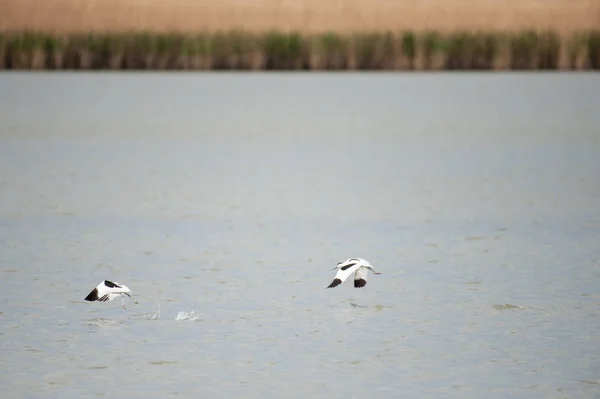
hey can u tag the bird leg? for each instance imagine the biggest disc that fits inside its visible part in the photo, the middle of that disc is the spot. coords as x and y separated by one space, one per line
134 301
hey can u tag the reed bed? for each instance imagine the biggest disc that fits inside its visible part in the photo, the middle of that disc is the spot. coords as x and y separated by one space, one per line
237 50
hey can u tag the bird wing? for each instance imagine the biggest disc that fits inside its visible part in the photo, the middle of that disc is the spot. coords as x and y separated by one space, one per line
111 284
106 297
106 291
111 287
343 273
360 277
92 296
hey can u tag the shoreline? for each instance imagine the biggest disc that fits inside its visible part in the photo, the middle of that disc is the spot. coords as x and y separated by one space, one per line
289 51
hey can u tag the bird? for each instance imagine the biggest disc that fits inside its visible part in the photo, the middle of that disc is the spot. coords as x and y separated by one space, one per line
109 290
358 266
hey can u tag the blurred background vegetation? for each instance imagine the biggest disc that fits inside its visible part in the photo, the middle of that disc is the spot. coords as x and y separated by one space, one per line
300 35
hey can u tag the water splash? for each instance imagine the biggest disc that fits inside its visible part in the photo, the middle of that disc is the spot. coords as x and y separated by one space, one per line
156 315
153 316
192 316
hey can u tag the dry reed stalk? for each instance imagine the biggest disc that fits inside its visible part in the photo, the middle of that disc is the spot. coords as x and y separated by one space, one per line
304 16
3 51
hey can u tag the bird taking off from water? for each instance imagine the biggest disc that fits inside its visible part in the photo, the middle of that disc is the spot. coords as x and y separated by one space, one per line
107 291
358 266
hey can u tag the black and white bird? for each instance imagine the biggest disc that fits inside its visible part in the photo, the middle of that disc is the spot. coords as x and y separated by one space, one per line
107 291
358 266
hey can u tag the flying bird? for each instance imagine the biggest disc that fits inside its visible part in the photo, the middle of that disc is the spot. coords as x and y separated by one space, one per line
358 266
107 291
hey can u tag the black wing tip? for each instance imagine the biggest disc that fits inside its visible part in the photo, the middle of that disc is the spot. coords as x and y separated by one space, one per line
359 283
335 283
110 284
92 296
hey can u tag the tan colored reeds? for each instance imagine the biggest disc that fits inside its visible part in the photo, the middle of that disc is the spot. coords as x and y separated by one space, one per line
302 16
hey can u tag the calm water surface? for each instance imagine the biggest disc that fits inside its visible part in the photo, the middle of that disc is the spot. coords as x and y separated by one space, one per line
224 201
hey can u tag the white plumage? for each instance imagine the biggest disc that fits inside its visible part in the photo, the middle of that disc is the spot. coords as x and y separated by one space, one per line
109 290
358 266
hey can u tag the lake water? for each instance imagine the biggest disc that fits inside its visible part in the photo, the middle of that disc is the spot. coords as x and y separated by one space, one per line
224 201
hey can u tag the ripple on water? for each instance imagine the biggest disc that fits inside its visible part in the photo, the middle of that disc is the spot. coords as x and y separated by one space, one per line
590 382
101 322
507 306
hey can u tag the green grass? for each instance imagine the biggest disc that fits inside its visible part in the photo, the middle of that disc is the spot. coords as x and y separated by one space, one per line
471 50
238 50
284 51
409 45
329 51
593 49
